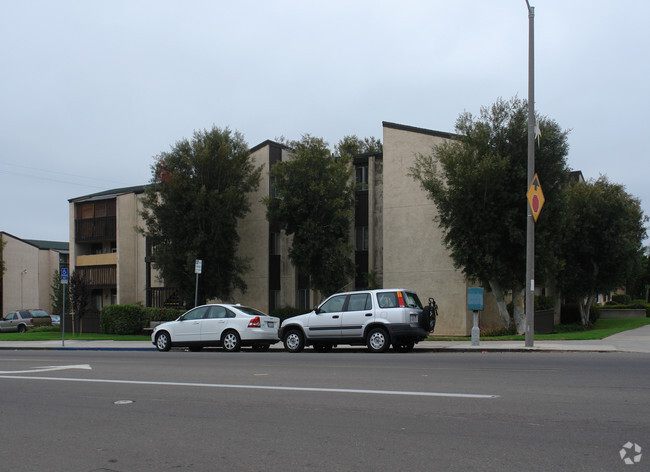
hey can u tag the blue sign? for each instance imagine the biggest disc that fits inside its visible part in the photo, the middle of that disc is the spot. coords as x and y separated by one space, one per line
475 298
64 275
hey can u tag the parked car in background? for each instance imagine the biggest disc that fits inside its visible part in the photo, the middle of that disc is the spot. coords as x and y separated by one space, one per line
226 325
56 320
375 318
21 320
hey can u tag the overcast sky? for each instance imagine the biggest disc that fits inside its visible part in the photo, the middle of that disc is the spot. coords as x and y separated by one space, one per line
91 91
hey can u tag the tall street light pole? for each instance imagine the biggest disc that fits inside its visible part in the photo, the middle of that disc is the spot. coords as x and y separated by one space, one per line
530 222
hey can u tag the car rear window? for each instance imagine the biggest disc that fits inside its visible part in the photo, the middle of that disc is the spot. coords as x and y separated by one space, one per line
391 299
39 314
250 311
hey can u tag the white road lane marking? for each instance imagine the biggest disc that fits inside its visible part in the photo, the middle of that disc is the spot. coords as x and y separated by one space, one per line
259 387
50 368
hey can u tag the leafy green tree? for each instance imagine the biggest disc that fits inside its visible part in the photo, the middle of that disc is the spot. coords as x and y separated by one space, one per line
606 228
639 284
79 297
198 192
315 205
3 243
56 295
478 181
352 145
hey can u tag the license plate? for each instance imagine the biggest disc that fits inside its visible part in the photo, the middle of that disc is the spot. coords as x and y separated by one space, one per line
270 324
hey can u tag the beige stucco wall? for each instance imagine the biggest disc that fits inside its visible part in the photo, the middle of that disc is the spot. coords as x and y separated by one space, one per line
253 230
30 289
131 247
254 245
414 255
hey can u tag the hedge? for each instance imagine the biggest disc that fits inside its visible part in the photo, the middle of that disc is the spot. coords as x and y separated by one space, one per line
131 319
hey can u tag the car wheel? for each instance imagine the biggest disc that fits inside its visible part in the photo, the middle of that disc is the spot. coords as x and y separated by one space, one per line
163 342
231 341
261 347
323 347
195 348
294 341
404 346
378 340
22 329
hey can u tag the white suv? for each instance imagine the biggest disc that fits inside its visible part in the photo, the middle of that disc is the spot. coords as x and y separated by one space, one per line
376 318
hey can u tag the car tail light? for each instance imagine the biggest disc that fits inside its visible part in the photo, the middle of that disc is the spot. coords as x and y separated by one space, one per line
255 323
31 320
400 300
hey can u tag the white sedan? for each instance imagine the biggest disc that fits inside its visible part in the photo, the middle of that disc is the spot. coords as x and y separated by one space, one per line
229 326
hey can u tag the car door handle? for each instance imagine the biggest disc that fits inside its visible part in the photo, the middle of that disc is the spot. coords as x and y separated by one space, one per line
368 314
335 316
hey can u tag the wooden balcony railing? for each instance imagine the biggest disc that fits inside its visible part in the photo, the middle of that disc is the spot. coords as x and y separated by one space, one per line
95 229
99 276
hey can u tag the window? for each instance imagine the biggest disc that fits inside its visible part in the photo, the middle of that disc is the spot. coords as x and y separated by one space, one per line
303 299
361 236
274 300
387 300
334 304
362 177
197 313
274 244
359 302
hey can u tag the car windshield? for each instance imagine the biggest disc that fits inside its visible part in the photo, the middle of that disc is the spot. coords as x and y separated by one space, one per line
250 311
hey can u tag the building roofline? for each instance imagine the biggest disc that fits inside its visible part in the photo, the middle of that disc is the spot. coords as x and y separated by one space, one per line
59 246
111 193
413 129
268 142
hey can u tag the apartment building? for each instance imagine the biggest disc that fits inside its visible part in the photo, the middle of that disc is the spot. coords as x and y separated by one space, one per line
397 243
30 266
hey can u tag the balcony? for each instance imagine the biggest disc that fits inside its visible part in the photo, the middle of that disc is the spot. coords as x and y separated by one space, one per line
95 229
96 260
99 277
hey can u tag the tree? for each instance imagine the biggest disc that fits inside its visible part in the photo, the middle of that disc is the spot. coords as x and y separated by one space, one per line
198 192
79 297
478 181
606 228
315 205
56 296
3 243
352 145
639 284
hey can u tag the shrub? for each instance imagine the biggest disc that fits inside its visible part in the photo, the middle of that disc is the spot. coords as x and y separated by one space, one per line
544 302
287 312
622 298
122 319
131 319
611 303
569 328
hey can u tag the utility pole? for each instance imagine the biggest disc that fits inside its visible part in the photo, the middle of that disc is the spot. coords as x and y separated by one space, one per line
530 222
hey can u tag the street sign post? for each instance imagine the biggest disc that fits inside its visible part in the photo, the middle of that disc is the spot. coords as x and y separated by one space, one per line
198 267
64 283
475 303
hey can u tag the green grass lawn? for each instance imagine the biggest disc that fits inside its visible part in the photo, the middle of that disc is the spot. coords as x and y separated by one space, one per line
55 335
602 329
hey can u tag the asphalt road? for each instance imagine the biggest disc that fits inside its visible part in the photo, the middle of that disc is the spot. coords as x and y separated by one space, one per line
345 410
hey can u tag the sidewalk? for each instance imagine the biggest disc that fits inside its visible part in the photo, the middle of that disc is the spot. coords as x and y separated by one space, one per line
636 340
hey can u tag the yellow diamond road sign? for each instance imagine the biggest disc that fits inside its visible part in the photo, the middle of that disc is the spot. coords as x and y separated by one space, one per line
535 197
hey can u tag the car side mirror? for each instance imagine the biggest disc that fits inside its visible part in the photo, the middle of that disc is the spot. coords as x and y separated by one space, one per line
316 310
